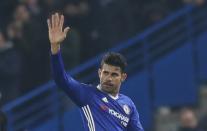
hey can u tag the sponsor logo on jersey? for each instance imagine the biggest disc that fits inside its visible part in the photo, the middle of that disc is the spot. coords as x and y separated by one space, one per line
124 120
118 115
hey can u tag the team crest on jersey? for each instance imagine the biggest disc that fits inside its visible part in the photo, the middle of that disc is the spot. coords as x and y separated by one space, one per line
126 109
105 100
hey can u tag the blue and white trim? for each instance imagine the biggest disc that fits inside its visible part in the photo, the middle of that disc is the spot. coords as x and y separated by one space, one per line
89 117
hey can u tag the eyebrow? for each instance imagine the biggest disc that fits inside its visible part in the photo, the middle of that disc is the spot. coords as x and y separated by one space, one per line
113 72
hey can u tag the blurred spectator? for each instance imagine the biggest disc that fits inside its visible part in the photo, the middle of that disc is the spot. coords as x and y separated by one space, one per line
76 14
203 123
194 2
173 5
3 121
188 121
137 8
6 10
71 50
24 31
112 22
153 12
34 8
10 69
49 6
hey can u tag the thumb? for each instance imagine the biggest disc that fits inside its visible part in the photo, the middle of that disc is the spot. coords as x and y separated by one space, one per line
66 30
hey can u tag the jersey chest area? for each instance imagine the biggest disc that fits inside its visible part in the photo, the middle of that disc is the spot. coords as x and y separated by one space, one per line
106 109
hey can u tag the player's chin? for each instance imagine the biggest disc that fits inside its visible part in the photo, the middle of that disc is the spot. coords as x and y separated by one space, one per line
108 88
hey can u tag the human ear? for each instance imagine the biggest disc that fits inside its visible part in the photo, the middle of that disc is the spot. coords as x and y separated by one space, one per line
99 72
124 76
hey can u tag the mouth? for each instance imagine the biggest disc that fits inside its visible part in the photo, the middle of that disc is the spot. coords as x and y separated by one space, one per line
108 84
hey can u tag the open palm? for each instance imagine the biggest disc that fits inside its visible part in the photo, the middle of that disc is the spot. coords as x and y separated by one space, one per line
55 29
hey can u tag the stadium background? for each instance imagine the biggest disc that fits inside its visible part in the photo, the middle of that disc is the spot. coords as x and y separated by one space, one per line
164 42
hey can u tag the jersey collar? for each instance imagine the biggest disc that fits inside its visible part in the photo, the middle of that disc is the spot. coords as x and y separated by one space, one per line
113 97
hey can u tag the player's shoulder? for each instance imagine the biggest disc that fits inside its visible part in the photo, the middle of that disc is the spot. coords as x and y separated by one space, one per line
88 86
126 99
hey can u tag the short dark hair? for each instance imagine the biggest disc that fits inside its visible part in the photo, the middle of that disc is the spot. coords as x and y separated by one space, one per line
114 59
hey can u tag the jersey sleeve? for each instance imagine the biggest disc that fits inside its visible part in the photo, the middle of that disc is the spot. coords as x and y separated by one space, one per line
134 123
76 91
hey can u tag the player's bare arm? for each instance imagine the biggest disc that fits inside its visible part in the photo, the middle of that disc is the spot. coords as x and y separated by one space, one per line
56 32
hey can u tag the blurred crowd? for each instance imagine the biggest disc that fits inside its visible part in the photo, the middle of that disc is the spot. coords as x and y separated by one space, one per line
96 25
190 122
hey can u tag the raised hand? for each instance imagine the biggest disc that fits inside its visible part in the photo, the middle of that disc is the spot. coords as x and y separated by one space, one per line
56 32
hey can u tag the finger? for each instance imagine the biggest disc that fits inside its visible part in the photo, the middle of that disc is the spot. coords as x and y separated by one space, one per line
53 21
49 24
61 22
56 19
66 30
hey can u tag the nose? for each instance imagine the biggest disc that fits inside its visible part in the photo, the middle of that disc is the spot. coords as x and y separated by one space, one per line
109 78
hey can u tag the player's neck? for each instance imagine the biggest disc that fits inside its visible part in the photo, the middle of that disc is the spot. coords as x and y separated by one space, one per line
112 95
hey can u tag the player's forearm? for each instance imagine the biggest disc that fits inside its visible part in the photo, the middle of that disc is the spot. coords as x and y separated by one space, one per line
66 82
63 80
57 67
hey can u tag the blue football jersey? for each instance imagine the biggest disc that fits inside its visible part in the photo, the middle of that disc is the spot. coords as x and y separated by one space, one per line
99 110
